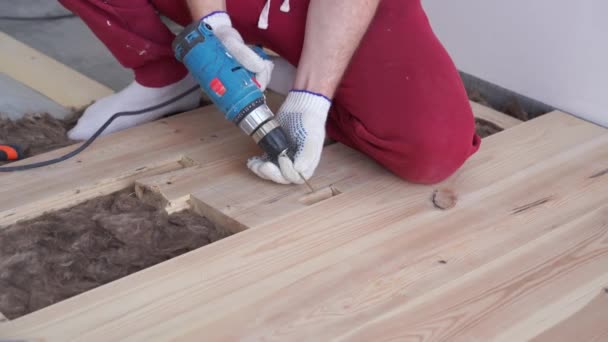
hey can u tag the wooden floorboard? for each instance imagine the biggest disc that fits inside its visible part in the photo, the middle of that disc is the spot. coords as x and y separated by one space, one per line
587 324
229 193
114 162
192 145
383 261
226 192
51 78
512 247
527 232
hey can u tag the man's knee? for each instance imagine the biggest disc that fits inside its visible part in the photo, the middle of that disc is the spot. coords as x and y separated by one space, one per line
432 160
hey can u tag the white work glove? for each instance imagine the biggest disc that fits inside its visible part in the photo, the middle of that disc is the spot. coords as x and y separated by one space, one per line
222 27
302 116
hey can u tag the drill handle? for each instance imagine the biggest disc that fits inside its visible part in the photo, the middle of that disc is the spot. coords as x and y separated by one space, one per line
228 84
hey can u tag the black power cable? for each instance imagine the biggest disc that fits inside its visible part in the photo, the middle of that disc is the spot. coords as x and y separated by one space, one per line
99 131
41 18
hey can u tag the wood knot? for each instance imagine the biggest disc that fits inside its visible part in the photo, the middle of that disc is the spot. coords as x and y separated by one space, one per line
444 199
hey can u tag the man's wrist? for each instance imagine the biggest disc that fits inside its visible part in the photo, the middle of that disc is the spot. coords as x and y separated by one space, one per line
318 88
199 9
303 92
217 19
309 80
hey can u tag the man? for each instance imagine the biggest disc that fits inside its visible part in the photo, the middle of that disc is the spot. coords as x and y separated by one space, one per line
370 74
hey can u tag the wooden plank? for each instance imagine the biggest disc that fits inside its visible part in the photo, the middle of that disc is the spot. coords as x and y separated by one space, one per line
483 304
115 161
398 262
587 324
233 199
51 78
367 245
500 119
229 194
236 201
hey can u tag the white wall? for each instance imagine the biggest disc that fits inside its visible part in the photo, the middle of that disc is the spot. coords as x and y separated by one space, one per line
554 51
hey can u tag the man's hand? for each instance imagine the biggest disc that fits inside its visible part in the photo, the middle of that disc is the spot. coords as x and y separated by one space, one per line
302 116
222 27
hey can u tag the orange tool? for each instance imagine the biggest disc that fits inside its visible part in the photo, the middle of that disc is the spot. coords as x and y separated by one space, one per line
10 153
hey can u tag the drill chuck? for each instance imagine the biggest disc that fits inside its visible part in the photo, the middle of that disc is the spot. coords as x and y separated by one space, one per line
232 88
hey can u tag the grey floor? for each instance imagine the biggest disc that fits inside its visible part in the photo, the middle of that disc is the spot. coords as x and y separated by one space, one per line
68 40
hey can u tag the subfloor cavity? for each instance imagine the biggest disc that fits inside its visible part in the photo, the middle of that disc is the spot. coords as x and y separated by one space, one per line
62 254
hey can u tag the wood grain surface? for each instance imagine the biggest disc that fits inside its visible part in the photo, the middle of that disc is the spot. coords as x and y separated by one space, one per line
520 254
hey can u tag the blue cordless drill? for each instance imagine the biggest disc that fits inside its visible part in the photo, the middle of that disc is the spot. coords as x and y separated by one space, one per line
231 87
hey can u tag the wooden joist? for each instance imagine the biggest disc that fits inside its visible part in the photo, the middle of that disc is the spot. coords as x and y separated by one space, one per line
58 82
488 114
526 233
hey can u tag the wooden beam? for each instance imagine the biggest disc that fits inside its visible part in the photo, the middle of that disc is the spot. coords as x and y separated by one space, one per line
51 78
350 266
488 114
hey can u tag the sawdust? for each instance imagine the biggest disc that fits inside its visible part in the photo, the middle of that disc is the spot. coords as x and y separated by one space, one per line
37 133
65 253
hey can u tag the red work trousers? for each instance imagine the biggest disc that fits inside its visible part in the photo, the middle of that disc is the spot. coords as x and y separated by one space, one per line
401 100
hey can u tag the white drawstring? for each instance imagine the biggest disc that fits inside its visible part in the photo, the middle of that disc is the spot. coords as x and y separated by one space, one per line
285 6
263 20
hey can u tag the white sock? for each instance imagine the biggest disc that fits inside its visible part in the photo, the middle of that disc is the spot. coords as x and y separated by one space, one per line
134 97
283 76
